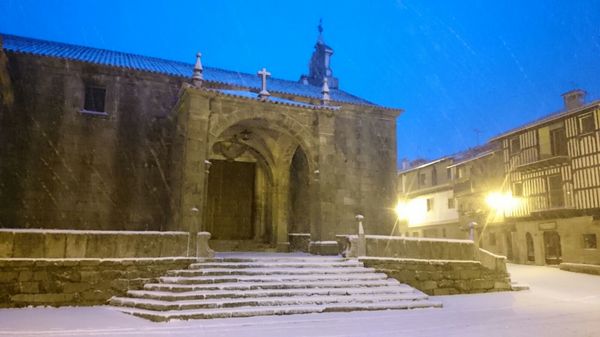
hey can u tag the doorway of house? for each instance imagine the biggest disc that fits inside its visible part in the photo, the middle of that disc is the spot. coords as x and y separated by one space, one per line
509 245
552 248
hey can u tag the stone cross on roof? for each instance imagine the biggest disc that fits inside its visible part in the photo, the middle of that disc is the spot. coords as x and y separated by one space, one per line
263 74
197 77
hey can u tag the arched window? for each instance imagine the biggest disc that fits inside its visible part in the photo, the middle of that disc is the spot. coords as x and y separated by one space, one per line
530 248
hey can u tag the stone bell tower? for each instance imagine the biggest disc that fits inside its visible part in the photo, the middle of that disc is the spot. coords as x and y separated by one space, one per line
319 67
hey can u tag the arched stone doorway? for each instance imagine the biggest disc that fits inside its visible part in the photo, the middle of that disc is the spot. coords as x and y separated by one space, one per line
530 247
248 188
552 247
299 195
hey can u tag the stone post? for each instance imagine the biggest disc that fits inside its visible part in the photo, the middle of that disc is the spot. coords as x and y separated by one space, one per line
362 241
202 247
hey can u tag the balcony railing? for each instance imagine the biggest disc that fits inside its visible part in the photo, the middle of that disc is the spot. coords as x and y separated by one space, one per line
543 161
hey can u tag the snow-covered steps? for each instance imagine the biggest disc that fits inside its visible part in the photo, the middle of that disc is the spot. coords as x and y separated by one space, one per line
255 285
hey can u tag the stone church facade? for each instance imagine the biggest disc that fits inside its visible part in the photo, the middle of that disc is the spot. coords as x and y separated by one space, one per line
94 139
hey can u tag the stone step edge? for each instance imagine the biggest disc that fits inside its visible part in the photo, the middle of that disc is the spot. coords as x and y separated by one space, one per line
159 305
268 311
240 265
272 271
273 285
293 278
268 259
173 296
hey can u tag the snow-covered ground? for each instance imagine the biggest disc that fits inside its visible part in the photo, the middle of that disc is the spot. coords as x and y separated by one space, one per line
559 304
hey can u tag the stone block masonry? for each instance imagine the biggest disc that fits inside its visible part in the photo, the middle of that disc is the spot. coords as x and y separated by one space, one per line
442 277
72 282
44 243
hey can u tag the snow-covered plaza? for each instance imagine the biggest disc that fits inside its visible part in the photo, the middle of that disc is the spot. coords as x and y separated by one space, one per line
559 303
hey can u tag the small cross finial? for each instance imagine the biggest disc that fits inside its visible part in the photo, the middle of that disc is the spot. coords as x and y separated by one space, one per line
263 74
197 77
320 29
325 98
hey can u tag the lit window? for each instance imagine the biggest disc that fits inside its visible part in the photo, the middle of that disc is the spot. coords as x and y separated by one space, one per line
429 204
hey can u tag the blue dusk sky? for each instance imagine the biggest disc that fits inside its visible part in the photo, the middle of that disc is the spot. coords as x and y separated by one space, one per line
463 71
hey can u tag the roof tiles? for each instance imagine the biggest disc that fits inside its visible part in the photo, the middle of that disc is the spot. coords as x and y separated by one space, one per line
61 50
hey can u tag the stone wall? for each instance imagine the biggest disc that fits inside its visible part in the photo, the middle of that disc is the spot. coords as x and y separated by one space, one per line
299 242
419 248
442 277
60 282
31 243
64 168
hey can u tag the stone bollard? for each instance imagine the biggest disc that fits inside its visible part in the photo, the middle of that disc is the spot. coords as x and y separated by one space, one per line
362 242
202 247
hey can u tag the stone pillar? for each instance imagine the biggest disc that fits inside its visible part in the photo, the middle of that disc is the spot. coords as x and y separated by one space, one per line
323 189
194 157
280 209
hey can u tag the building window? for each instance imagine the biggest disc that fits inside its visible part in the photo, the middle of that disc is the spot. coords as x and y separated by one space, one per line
429 204
555 191
449 173
461 172
558 142
422 179
515 145
433 176
94 99
589 241
451 203
517 189
586 123
492 239
444 232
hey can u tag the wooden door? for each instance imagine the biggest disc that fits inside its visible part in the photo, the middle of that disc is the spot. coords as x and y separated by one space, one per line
552 247
230 200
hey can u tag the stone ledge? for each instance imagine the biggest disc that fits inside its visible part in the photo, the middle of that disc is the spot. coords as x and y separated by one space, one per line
592 269
42 243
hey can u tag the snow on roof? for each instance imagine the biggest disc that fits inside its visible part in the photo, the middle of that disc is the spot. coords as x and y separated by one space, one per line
18 44
545 119
272 99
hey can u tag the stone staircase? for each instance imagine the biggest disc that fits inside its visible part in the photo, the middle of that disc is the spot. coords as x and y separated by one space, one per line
269 284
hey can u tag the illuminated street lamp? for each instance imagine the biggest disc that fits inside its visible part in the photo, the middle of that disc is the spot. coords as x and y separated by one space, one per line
501 202
413 211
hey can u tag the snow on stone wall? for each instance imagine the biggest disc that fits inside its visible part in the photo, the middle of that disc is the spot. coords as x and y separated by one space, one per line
36 243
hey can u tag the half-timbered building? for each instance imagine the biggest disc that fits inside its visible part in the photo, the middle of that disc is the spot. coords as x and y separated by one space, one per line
552 167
